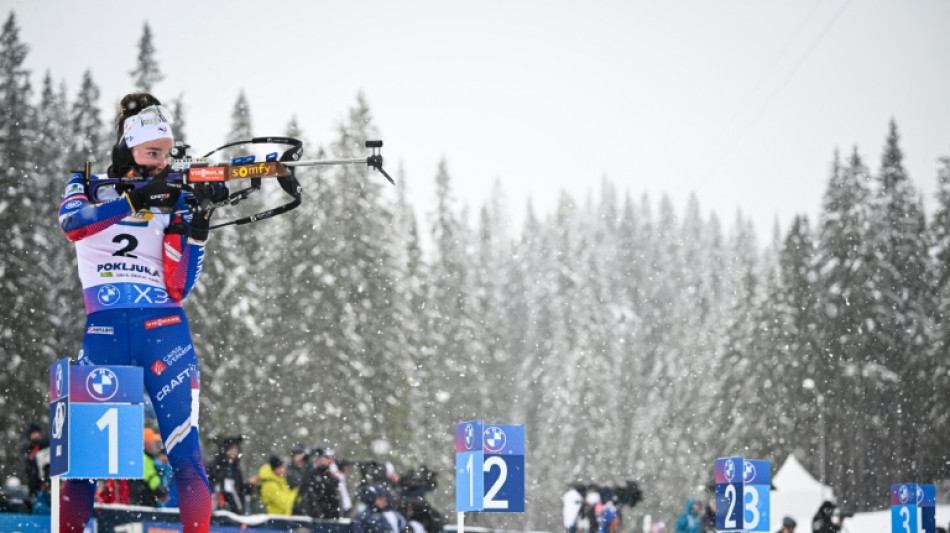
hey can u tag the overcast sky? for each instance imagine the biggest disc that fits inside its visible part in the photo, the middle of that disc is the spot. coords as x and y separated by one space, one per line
742 102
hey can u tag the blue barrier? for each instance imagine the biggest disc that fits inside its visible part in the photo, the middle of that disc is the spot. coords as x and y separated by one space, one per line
24 523
132 519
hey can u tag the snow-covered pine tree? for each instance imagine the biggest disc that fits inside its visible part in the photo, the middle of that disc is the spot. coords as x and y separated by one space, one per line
900 338
937 459
533 285
839 392
739 360
844 304
628 279
88 133
20 383
794 345
451 323
146 72
597 344
697 279
178 109
54 261
493 303
224 313
940 232
420 369
356 334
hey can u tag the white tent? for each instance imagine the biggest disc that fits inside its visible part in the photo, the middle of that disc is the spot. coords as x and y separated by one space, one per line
797 494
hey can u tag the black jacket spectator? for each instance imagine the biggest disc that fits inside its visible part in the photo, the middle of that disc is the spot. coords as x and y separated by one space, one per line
33 441
297 468
822 522
319 495
226 477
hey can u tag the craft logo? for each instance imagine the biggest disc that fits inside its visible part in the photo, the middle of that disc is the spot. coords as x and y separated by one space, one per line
173 384
102 384
469 436
158 367
108 294
495 439
164 321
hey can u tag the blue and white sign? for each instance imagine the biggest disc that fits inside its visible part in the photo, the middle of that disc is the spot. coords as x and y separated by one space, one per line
489 467
96 421
504 469
59 437
927 501
905 513
742 494
469 464
729 493
756 480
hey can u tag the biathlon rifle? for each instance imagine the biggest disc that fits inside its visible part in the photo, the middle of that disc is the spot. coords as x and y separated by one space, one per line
194 172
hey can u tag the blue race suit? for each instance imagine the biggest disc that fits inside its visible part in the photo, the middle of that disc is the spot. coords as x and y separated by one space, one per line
135 271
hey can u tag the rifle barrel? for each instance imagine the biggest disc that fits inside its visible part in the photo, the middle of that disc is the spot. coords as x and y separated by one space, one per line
324 162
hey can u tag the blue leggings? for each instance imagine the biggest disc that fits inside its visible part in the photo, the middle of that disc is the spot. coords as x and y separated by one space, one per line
159 341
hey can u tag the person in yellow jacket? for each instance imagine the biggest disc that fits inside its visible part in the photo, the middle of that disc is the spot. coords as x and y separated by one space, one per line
149 490
277 496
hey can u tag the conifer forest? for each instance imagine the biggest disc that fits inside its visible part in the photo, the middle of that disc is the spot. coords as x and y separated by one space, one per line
633 338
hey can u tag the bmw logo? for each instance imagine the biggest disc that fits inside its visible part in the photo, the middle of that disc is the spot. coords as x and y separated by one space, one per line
730 470
904 494
495 439
59 420
102 384
108 294
748 472
469 436
59 380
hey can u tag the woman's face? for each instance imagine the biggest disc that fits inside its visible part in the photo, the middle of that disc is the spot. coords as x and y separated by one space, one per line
153 155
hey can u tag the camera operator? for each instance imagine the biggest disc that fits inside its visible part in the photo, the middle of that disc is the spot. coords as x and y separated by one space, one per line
824 521
413 487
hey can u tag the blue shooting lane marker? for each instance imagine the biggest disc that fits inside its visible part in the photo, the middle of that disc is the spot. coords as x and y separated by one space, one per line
504 448
469 463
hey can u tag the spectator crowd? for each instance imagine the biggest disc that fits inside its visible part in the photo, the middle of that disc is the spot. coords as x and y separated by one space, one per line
310 482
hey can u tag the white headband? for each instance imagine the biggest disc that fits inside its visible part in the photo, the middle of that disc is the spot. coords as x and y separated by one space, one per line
153 122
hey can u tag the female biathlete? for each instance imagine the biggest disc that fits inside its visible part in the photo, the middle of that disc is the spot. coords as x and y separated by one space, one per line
140 252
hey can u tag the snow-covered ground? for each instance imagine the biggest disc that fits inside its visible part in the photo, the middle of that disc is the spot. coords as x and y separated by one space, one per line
880 521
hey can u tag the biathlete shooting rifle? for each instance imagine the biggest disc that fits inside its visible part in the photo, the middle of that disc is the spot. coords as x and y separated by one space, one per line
200 172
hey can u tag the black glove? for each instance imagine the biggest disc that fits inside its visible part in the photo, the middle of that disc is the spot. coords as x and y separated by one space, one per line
215 192
156 193
200 224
